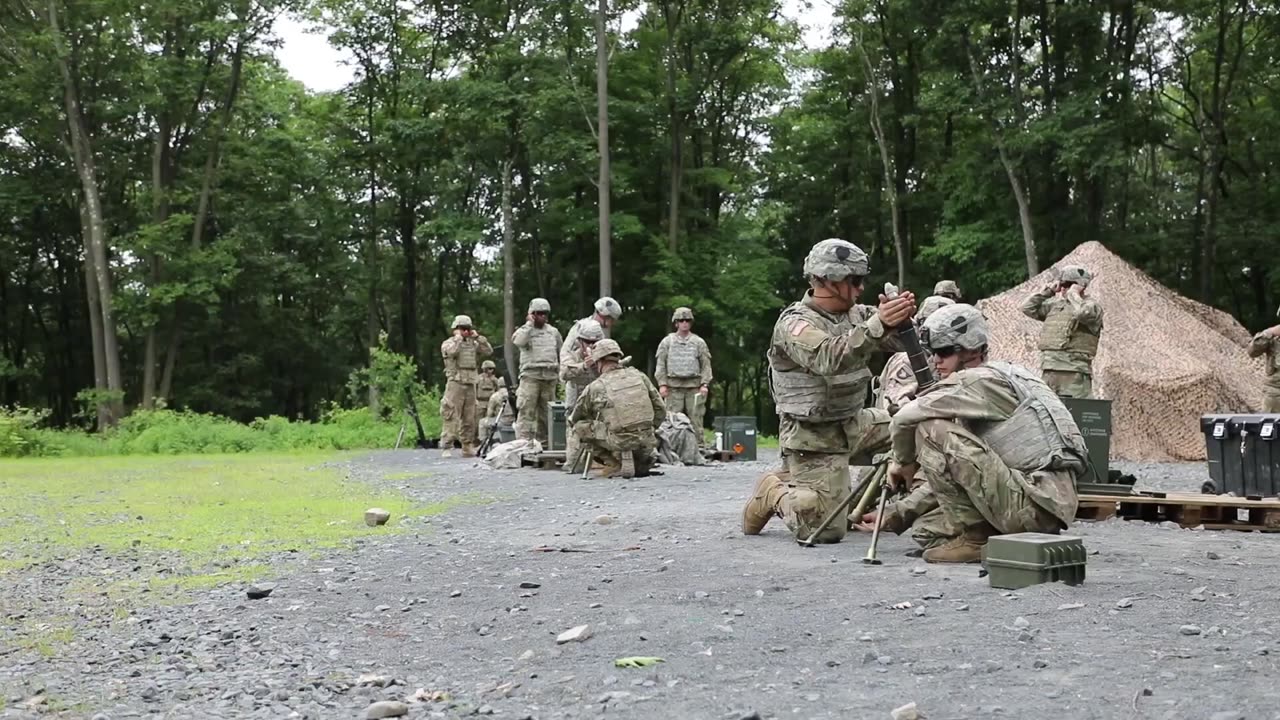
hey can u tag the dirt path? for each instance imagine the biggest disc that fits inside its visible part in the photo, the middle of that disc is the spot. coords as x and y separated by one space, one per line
746 625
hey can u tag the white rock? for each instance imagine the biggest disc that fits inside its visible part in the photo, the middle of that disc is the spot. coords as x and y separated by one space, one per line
386 709
604 520
906 712
1021 622
374 517
577 634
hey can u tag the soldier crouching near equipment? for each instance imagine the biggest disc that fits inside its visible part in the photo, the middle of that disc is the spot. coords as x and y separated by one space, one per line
495 412
819 377
1069 337
996 445
488 383
1267 343
618 413
462 354
577 371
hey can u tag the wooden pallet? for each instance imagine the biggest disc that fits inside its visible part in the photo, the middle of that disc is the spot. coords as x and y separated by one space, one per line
545 460
1212 512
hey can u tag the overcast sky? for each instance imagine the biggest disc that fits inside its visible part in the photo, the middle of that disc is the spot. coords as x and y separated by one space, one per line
309 57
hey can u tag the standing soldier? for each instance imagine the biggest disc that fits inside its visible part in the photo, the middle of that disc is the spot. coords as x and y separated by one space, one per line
606 313
949 290
462 354
539 343
577 371
995 444
819 376
684 370
1267 343
618 414
1069 337
489 383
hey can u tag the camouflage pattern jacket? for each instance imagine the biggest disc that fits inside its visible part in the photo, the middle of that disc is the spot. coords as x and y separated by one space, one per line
616 399
462 357
1072 323
691 345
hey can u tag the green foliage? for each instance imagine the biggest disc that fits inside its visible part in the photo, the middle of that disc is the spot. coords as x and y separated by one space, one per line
19 432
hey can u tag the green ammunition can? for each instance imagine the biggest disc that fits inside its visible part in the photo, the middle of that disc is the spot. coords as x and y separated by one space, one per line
1024 559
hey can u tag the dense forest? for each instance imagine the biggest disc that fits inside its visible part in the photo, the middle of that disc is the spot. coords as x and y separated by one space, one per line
183 224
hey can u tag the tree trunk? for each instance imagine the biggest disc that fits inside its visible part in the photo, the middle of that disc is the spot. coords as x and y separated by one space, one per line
408 222
99 264
95 324
211 163
672 16
602 124
508 268
886 162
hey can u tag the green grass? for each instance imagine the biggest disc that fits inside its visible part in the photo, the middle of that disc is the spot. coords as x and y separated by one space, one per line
228 508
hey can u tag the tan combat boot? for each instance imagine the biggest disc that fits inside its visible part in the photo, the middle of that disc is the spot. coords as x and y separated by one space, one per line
628 464
967 548
763 505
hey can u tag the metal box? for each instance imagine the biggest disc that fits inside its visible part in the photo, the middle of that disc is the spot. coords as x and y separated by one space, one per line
1023 559
555 426
736 435
1244 453
1093 417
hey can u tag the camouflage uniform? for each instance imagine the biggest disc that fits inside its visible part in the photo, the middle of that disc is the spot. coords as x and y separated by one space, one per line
949 290
577 373
1069 338
819 378
684 368
487 384
617 415
539 373
492 408
1264 343
461 369
997 447
605 307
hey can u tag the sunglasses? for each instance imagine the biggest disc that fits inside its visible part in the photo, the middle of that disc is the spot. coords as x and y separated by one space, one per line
945 352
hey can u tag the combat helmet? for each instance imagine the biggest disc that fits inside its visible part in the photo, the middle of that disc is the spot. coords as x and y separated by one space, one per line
932 304
682 313
835 259
1075 274
537 305
590 330
608 307
957 325
461 321
604 349
488 365
948 289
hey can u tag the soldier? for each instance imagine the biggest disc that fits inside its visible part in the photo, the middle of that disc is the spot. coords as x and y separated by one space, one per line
577 371
495 412
684 370
488 383
1069 338
949 290
898 380
462 354
996 445
818 372
618 413
1267 343
539 343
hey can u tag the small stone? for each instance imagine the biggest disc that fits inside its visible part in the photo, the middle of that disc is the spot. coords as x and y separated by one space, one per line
991 666
577 634
374 517
750 716
1213 555
919 570
1177 571
1039 664
526 655
1070 606
484 710
1190 630
258 591
603 520
918 611
455 593
868 658
724 628
932 596
526 585
374 680
1025 636
962 608
613 695
1021 623
1124 603
906 712
594 606
884 660
386 709
1228 715
759 593
382 608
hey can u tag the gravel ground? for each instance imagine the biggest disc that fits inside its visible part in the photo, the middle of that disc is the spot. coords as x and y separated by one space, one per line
748 627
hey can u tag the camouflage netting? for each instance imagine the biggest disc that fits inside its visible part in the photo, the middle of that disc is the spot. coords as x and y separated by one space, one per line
1163 362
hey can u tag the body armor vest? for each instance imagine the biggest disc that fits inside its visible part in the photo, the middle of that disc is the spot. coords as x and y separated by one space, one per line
542 350
683 358
486 386
815 398
1062 332
628 408
1040 434
466 357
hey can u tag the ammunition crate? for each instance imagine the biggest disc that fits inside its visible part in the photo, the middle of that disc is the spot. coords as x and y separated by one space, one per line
556 431
1243 453
735 435
1024 559
1093 417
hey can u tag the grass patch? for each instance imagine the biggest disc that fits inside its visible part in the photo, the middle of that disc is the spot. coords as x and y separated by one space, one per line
205 508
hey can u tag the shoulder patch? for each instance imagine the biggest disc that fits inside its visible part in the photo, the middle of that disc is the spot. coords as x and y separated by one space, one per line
798 326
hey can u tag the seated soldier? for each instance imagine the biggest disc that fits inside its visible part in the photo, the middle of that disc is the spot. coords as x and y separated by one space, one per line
495 406
996 445
617 414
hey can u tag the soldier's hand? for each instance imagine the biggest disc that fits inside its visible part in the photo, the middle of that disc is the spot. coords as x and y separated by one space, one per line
663 390
703 391
1050 290
900 476
528 318
868 522
1273 331
898 311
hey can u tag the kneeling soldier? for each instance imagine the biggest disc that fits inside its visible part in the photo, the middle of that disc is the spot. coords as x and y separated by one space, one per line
617 414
